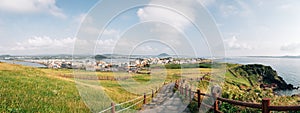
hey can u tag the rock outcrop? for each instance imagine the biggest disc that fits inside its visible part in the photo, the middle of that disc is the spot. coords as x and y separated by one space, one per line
258 74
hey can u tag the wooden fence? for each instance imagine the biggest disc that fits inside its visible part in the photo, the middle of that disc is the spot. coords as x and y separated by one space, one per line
264 105
134 102
85 77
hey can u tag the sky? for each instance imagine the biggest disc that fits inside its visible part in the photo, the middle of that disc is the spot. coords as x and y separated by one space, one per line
246 28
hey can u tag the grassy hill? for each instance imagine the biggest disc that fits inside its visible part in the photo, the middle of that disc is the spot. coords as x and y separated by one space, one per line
242 82
27 89
256 74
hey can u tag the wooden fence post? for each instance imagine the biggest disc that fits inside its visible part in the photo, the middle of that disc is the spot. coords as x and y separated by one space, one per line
112 107
152 93
186 91
181 89
198 94
190 95
176 84
144 102
265 105
216 91
216 105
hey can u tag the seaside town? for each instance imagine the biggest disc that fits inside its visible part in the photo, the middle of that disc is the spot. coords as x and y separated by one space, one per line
103 64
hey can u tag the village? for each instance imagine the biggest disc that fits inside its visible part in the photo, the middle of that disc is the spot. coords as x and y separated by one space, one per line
129 65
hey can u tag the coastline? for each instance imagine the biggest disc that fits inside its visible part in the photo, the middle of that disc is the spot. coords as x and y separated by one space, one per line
289 91
287 68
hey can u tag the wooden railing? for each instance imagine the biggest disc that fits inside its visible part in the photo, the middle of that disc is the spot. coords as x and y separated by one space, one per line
265 106
91 77
134 102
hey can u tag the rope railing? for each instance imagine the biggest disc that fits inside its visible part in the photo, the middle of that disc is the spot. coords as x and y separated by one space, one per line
143 98
264 106
129 101
130 106
103 111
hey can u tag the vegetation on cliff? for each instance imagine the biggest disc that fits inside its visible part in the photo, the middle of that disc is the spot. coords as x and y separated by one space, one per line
243 82
258 75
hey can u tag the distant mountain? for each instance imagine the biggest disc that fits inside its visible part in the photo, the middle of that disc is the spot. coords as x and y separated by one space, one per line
112 55
163 55
100 57
275 56
4 55
290 56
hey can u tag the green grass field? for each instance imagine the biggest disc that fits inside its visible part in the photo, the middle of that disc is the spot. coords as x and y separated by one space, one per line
27 89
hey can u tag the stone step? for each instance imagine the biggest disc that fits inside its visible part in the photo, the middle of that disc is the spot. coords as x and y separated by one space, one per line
164 97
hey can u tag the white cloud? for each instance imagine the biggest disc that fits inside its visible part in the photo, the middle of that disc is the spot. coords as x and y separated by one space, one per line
246 10
164 20
32 6
162 15
111 32
91 30
169 16
45 43
107 33
228 10
285 6
88 25
152 49
233 44
290 47
83 17
207 2
236 9
105 46
107 41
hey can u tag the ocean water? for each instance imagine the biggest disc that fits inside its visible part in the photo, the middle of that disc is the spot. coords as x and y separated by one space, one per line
287 68
24 63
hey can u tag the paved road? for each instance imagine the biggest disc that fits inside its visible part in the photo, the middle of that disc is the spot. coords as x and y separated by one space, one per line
166 102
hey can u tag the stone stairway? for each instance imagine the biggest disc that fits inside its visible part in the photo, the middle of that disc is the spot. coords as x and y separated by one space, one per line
166 102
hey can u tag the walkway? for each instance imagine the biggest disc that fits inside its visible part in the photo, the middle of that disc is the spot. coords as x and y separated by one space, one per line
166 102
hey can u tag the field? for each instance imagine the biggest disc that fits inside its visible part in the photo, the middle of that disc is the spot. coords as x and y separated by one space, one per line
27 89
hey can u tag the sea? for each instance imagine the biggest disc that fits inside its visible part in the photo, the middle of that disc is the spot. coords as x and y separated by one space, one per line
287 68
31 64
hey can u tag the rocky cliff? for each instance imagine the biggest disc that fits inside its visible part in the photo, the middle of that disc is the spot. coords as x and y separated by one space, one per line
258 74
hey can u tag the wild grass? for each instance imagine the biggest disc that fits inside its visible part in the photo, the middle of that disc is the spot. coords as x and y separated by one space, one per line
27 89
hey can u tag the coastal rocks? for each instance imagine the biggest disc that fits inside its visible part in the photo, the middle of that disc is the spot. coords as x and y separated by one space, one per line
263 76
296 95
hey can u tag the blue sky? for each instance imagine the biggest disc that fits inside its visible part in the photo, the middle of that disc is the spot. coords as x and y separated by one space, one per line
257 27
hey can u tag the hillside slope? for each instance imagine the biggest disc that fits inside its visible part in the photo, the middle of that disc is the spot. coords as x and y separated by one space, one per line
27 89
257 75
